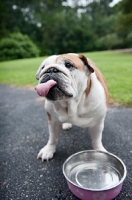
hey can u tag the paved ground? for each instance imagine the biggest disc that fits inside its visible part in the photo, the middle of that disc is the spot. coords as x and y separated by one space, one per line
23 131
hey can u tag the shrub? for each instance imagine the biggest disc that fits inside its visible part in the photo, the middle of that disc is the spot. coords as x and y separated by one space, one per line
110 41
17 46
129 40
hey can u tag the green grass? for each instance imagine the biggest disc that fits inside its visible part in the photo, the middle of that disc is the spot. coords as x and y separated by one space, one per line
116 67
20 72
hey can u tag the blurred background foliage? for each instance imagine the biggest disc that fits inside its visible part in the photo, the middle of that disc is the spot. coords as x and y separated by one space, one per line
17 45
43 27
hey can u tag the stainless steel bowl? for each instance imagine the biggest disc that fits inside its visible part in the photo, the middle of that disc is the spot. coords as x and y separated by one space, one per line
89 173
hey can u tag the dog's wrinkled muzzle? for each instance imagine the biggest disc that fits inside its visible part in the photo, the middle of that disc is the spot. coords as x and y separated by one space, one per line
54 84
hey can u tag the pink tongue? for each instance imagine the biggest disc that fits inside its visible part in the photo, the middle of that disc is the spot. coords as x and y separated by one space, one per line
43 88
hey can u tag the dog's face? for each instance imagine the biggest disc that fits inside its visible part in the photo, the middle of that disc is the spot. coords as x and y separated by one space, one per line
69 71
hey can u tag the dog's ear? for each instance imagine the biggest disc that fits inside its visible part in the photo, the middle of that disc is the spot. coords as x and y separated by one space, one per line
85 61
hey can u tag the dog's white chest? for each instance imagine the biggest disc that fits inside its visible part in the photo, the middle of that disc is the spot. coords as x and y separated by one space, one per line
83 117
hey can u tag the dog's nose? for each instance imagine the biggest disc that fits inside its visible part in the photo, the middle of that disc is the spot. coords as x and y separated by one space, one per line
52 70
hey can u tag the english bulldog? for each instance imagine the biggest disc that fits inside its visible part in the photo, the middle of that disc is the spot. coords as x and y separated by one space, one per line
76 94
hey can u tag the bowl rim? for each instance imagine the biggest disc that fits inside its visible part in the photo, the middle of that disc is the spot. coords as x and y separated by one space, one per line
85 151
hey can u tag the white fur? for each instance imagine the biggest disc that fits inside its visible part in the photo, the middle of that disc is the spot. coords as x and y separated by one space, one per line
80 110
47 61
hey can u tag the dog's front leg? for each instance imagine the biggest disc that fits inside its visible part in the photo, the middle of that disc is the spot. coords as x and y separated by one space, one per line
48 151
96 135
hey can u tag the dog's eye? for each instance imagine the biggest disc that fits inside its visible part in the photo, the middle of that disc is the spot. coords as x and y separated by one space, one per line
68 65
43 67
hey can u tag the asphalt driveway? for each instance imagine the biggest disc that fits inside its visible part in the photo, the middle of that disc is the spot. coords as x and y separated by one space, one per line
23 131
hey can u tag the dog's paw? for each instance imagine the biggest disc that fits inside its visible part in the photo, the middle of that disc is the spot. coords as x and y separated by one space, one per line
47 152
66 126
98 146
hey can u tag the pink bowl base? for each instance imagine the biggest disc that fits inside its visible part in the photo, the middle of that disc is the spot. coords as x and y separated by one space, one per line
95 195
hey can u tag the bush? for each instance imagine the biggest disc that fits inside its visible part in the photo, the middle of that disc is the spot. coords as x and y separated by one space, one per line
17 46
129 40
110 41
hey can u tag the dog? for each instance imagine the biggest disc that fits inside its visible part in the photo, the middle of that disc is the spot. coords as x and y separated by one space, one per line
76 94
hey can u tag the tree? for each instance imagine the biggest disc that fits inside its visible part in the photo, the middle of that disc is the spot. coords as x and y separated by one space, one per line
57 27
3 17
125 19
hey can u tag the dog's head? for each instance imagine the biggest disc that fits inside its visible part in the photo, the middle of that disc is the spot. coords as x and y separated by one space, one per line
69 71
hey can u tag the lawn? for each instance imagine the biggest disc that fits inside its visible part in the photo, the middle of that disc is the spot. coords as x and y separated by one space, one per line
116 67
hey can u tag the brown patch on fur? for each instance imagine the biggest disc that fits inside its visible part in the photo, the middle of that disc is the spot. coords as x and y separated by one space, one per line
101 78
74 59
49 118
88 86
